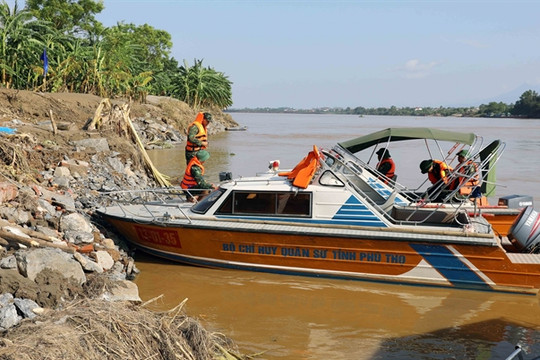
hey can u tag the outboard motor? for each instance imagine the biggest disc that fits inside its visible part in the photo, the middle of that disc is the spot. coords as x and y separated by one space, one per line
224 176
525 231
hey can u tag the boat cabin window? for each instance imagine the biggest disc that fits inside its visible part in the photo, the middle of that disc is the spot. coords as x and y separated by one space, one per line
202 206
328 178
329 160
268 203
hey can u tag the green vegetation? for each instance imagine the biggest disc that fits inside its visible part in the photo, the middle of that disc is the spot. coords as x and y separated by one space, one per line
528 106
83 56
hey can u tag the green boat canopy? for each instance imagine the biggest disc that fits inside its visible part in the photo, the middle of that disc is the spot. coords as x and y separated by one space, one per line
400 134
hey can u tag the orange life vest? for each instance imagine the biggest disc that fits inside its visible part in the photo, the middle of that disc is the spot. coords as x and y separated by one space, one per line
303 172
467 182
390 174
189 181
440 172
202 135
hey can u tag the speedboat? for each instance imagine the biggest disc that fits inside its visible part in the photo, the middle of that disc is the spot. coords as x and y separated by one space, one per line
320 220
444 145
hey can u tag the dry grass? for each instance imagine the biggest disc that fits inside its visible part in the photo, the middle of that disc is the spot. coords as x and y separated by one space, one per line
94 329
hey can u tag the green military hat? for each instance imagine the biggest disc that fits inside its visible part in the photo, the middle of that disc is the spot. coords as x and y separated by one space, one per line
207 116
384 153
425 166
203 155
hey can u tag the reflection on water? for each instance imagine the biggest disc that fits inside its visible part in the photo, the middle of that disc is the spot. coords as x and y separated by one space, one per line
291 317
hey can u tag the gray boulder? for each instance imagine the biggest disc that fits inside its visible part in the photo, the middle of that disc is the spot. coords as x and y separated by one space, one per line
31 263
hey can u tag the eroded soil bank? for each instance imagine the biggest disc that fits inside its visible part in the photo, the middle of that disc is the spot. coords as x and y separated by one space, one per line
65 281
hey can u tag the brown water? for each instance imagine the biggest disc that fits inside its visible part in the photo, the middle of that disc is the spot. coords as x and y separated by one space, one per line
289 317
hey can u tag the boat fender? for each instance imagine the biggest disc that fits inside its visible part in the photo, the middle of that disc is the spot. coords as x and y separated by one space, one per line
525 231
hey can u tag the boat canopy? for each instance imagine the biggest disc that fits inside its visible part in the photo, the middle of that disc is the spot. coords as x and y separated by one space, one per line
400 134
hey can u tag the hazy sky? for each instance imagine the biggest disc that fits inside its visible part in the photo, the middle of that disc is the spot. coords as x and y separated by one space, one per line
306 54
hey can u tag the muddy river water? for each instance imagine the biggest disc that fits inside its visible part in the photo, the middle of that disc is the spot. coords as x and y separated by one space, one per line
288 317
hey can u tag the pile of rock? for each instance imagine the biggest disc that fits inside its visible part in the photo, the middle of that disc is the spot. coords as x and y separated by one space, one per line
48 235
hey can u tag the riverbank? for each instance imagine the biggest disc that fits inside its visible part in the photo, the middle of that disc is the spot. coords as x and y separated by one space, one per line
65 281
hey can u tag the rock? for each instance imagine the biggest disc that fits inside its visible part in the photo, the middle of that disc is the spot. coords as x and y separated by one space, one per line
79 237
8 312
62 171
104 259
75 222
108 243
45 207
122 291
26 307
6 299
51 233
15 215
31 263
100 145
9 317
77 167
61 181
63 201
8 262
116 164
8 192
87 264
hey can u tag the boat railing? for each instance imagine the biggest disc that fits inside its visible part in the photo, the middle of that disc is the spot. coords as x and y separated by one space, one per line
516 354
347 156
484 165
173 197
419 215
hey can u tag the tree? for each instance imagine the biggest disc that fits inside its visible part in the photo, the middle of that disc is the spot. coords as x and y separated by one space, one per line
75 17
202 87
138 50
528 105
496 109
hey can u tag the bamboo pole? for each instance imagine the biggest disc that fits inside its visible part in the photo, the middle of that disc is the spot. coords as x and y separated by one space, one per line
162 179
53 123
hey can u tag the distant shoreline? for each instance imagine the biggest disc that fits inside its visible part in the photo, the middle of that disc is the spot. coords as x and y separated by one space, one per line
341 112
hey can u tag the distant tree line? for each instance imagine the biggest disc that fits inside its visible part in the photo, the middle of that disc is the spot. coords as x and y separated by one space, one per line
528 106
58 45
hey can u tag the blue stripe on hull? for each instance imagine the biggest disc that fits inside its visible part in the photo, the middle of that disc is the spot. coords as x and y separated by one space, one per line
354 212
450 266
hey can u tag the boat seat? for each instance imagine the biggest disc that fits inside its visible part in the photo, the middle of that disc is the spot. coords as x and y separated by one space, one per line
389 203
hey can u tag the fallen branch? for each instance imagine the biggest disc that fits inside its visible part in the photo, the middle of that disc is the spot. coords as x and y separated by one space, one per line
29 232
33 242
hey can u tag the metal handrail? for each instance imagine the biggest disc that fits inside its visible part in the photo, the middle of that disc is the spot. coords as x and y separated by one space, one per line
345 163
517 352
147 198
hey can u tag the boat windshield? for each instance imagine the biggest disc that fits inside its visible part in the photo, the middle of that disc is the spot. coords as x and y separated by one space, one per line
206 203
